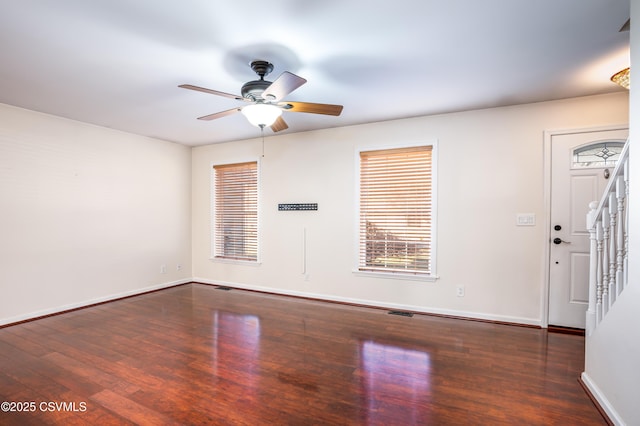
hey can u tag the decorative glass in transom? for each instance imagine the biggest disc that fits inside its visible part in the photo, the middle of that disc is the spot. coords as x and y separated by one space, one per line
599 154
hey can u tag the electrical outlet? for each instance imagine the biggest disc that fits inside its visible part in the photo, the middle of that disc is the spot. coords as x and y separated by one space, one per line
460 291
163 269
178 267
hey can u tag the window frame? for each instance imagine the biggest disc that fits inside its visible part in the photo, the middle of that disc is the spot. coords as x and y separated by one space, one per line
432 275
213 210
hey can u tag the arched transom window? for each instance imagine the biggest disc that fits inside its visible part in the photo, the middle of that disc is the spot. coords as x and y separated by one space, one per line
598 154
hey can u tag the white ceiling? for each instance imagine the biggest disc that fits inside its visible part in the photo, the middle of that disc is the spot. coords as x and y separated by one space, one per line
118 63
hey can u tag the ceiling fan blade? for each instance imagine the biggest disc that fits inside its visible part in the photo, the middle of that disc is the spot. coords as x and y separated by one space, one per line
279 125
312 108
213 92
285 84
219 114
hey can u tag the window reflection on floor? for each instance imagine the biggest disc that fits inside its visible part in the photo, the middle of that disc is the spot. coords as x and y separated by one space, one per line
392 375
236 342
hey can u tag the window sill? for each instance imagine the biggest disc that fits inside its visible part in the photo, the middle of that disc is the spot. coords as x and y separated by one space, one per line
253 263
396 276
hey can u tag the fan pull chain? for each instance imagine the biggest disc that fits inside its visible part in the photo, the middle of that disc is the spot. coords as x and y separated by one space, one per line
262 132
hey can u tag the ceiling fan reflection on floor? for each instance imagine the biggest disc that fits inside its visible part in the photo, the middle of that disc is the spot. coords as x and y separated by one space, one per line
264 98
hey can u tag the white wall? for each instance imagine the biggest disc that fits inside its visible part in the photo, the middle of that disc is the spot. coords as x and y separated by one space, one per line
490 167
87 213
613 351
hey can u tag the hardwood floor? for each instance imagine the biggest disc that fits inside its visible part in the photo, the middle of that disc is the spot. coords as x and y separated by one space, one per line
195 354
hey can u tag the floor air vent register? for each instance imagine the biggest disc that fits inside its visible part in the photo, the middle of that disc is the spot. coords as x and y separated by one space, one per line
401 313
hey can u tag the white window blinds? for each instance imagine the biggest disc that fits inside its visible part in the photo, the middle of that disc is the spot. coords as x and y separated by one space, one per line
396 210
236 211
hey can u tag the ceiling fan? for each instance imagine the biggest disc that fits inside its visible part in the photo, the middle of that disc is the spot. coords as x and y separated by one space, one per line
264 98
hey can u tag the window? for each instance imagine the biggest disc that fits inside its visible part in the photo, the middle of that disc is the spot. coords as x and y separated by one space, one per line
235 215
396 211
599 154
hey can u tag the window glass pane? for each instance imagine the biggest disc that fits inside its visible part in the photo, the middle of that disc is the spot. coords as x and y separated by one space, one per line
600 154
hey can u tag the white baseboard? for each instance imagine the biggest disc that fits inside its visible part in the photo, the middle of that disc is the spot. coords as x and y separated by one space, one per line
85 303
330 298
602 400
376 303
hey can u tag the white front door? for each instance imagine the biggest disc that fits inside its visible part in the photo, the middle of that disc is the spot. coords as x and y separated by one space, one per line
573 187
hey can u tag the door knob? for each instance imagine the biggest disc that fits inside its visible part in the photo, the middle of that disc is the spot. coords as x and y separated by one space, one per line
557 240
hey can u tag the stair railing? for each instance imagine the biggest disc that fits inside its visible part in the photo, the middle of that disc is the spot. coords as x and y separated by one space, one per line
607 223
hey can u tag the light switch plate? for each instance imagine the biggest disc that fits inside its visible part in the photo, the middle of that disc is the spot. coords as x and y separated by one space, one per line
526 219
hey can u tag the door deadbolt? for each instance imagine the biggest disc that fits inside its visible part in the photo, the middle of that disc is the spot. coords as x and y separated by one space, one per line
557 227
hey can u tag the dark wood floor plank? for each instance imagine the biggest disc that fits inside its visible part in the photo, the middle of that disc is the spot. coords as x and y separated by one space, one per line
193 354
133 412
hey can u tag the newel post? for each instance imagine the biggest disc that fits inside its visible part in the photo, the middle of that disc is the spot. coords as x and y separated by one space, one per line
593 268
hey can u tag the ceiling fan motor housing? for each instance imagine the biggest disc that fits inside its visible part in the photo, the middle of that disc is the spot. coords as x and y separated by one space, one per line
253 89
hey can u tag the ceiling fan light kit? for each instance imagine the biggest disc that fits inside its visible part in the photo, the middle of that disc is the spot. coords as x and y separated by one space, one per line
261 115
265 98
